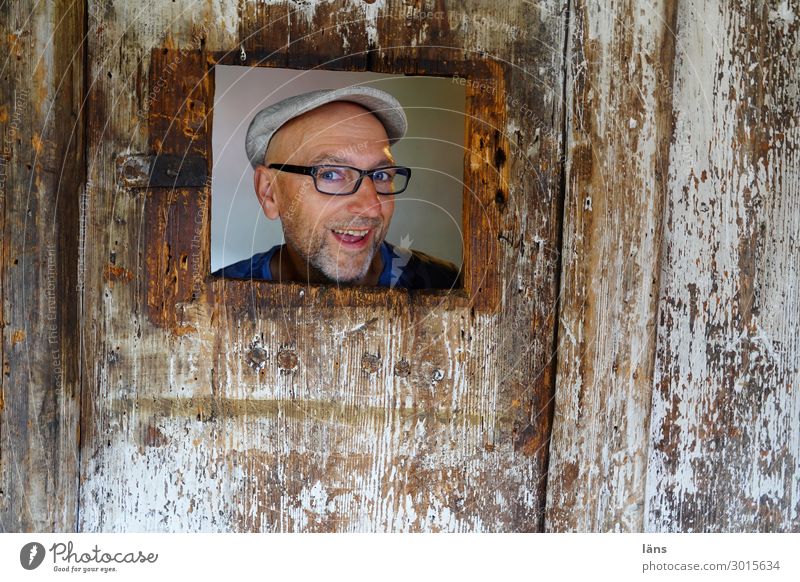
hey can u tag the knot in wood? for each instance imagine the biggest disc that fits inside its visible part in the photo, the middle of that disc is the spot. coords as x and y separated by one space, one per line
370 363
500 199
402 368
288 360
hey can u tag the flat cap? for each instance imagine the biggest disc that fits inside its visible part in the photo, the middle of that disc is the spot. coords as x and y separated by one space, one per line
270 119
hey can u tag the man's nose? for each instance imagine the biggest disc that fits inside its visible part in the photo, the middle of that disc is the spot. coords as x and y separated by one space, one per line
365 200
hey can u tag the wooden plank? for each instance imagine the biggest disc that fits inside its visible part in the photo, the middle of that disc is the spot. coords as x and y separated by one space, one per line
115 323
618 135
529 207
726 410
176 218
41 172
281 408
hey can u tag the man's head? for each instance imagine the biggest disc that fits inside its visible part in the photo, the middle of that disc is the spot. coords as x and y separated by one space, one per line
329 237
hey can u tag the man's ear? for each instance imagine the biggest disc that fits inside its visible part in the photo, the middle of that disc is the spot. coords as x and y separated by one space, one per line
265 183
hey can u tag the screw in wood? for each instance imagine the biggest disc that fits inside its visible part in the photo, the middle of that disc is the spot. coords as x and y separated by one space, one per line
288 360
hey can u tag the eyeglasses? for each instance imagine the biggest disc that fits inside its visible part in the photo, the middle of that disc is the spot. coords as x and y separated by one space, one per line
344 180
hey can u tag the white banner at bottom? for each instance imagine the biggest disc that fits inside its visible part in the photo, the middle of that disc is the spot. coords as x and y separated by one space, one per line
354 557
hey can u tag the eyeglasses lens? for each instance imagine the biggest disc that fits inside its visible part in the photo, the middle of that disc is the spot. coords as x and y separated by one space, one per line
343 180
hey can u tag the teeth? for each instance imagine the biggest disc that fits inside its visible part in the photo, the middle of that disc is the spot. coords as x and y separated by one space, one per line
351 232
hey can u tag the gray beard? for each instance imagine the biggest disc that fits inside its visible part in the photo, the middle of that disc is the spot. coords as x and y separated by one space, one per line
331 268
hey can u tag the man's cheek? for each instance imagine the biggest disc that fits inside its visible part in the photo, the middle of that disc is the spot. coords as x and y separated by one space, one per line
290 208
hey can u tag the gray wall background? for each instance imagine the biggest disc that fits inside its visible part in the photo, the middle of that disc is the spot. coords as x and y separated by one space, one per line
427 215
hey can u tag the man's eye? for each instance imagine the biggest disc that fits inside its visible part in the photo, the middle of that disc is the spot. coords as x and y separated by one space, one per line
382 176
331 175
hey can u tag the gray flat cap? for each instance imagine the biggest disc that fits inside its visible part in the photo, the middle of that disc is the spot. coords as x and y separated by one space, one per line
267 121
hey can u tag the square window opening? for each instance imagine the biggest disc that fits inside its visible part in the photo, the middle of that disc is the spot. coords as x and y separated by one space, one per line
428 216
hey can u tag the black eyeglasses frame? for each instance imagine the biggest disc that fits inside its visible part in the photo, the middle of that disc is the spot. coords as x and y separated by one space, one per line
313 170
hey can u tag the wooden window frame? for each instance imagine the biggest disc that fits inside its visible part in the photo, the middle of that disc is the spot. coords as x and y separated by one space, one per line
177 214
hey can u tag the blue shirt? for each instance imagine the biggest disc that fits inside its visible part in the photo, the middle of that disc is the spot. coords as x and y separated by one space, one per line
403 268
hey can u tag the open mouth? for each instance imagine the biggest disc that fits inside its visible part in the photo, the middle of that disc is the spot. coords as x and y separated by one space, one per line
353 238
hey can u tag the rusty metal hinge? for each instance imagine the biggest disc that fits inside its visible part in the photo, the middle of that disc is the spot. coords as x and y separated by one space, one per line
162 171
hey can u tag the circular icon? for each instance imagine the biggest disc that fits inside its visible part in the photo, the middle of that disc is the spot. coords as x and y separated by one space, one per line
31 555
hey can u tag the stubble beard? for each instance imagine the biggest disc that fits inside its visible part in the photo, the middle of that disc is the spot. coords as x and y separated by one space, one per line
324 255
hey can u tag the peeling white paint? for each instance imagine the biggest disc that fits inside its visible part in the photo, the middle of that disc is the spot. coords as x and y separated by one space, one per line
718 360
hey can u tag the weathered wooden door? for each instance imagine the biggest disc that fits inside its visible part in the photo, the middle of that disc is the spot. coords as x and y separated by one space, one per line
231 405
623 355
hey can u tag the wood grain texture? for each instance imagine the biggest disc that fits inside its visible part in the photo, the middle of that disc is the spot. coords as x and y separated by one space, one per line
633 184
231 406
725 453
40 181
618 135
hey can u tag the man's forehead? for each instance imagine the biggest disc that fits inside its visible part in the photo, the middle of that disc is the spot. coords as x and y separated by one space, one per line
350 156
338 132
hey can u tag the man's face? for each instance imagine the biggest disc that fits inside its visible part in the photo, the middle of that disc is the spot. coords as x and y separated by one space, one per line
338 236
